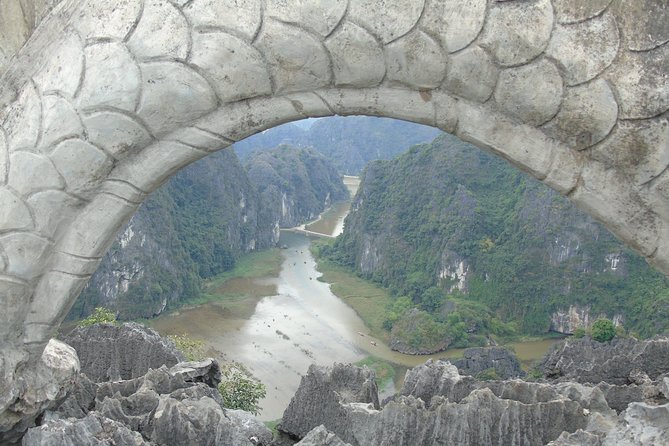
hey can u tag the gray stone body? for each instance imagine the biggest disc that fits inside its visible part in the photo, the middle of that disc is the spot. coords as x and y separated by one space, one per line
119 352
439 406
175 406
619 362
102 100
501 360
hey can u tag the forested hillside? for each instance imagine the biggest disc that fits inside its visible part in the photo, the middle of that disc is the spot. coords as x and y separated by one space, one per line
350 142
201 221
472 248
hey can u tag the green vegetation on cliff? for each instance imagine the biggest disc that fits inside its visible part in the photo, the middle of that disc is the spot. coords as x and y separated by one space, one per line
472 248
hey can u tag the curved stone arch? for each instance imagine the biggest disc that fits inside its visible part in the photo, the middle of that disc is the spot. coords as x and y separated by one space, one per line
108 99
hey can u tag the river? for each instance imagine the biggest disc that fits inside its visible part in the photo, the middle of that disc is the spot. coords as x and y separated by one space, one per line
301 323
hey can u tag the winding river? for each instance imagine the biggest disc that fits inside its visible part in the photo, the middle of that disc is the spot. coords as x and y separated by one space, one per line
302 323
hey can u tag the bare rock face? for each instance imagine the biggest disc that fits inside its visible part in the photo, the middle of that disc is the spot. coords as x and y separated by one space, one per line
322 394
42 387
439 406
92 430
620 362
120 352
180 405
502 361
320 436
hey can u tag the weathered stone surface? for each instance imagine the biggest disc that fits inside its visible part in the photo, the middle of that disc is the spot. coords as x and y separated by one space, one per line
578 438
322 394
64 67
357 58
572 11
107 20
118 134
23 119
471 75
642 424
43 387
179 405
639 147
4 158
531 93
477 360
585 49
81 164
61 121
242 16
173 95
112 77
588 361
517 32
321 17
388 20
407 57
26 253
47 207
30 173
297 61
15 213
587 115
120 352
235 68
320 436
162 32
91 430
14 300
456 22
644 23
642 83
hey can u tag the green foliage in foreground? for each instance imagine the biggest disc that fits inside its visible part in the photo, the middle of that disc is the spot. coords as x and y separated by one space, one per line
240 391
603 330
579 333
100 315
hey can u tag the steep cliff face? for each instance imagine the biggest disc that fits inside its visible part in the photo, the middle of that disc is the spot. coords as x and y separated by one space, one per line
192 228
295 185
450 216
577 316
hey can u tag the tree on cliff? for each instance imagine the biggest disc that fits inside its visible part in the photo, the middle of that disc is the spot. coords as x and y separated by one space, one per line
603 330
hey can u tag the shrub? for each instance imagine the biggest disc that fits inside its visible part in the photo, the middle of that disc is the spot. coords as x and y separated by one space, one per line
579 333
488 375
603 330
100 315
239 391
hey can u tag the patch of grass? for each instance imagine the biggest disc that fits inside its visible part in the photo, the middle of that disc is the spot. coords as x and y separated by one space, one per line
273 426
235 290
385 372
367 299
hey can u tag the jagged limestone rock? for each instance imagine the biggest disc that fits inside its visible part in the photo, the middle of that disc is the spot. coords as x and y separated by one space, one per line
320 436
120 352
321 394
480 359
620 362
180 405
43 387
92 430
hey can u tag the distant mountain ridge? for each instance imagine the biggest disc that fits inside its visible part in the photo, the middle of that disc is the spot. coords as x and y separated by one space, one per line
350 142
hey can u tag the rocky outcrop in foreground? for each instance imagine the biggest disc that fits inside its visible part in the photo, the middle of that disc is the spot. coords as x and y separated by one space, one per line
481 359
438 406
174 406
619 362
109 352
44 387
